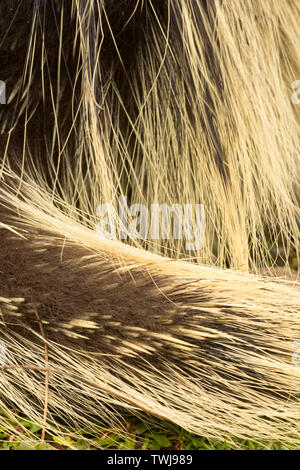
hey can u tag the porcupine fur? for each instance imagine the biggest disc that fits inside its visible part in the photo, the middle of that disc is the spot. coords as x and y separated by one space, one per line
90 117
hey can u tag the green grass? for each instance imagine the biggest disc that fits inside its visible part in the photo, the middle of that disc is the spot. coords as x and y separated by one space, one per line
139 436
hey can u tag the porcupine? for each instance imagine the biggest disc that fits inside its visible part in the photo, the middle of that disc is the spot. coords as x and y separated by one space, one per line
88 118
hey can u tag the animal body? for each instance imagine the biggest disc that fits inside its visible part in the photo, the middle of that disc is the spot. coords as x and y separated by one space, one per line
186 102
